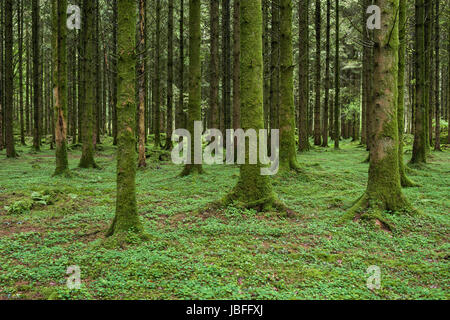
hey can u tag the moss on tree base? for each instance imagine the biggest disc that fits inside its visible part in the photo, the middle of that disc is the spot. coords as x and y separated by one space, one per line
192 169
373 206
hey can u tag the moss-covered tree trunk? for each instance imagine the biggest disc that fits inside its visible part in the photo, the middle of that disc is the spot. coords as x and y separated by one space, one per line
419 146
87 155
169 126
141 84
288 153
337 107
327 80
36 75
303 71
195 80
404 180
9 78
383 188
253 189
437 141
214 72
236 64
275 66
157 80
317 84
126 218
59 51
180 117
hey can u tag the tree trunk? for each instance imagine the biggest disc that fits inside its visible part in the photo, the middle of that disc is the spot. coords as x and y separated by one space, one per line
226 65
253 189
236 65
9 78
383 188
126 218
303 75
59 50
195 77
20 40
180 119
141 81
327 80
420 136
275 66
405 182
317 137
87 156
169 127
214 72
337 107
36 75
288 154
437 141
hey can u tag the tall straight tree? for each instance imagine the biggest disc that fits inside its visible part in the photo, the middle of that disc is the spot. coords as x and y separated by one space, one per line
36 75
437 141
169 126
419 154
126 218
114 71
383 188
327 80
2 65
253 189
288 153
337 70
59 51
214 72
226 64
157 80
180 119
87 156
195 77
275 66
405 182
317 84
236 65
9 80
303 78
141 82
20 52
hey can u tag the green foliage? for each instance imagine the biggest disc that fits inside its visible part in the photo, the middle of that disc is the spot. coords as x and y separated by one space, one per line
231 253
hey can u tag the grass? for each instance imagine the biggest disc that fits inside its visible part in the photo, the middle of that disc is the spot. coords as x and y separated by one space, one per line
48 224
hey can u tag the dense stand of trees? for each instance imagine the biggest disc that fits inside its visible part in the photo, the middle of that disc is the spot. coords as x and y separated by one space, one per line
135 71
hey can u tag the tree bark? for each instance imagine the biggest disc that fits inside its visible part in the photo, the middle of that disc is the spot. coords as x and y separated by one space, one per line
303 75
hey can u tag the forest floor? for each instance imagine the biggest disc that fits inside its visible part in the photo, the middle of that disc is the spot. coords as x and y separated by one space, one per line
48 224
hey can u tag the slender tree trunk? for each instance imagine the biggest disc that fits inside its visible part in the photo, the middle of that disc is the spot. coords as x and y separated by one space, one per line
337 107
327 80
36 75
20 39
303 78
317 84
214 72
9 77
180 119
126 218
266 61
169 127
288 155
59 50
141 81
405 182
157 83
420 136
114 71
2 74
226 64
195 76
87 156
236 64
437 142
275 66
